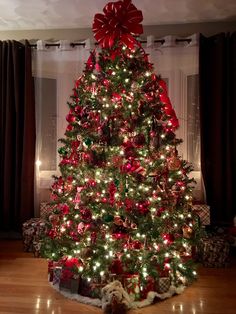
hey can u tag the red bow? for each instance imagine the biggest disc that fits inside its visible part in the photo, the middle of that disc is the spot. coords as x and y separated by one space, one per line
120 21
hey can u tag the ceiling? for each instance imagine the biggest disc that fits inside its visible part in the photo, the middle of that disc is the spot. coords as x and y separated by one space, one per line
54 14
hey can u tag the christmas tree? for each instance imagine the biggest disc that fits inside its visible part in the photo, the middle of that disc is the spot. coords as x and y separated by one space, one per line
122 205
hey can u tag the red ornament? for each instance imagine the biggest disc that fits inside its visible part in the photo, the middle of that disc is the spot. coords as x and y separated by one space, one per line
120 21
168 238
136 245
148 286
119 235
52 234
160 211
92 183
69 128
143 207
116 97
112 191
129 204
139 140
116 267
70 118
65 209
86 214
78 110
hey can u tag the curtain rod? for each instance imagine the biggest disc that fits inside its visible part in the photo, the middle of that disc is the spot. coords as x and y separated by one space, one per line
161 41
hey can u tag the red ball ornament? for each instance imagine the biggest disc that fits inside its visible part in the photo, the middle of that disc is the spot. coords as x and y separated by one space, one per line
70 118
139 140
52 234
160 211
168 238
69 128
92 183
106 82
65 209
136 245
78 110
86 214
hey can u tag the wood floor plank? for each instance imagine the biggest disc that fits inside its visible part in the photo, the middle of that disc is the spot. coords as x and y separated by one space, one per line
24 288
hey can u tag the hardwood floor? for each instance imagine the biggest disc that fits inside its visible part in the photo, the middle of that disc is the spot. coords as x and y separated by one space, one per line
24 289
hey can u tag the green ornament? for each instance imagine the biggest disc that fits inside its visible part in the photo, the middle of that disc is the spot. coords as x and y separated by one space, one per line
117 182
108 218
88 141
62 151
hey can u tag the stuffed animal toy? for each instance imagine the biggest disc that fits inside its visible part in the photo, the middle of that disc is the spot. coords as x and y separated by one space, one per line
115 300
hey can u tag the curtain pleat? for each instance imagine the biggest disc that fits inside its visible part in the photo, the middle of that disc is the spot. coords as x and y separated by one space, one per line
217 70
17 137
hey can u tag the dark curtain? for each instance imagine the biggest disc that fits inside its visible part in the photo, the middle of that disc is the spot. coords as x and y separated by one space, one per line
17 135
217 71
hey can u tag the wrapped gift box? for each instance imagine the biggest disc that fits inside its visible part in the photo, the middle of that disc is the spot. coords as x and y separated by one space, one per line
214 252
163 284
92 288
203 211
32 230
149 285
52 265
69 284
131 284
57 270
44 210
37 247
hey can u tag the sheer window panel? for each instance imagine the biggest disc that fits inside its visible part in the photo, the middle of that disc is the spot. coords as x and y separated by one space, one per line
55 72
178 66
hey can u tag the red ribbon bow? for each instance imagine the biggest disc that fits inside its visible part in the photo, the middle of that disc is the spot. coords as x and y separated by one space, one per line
120 20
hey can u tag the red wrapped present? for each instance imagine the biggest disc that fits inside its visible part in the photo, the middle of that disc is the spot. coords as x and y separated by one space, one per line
149 285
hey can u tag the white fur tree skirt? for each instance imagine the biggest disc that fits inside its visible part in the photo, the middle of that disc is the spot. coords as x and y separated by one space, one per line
130 304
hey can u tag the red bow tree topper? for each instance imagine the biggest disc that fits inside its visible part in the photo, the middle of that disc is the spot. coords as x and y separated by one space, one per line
121 20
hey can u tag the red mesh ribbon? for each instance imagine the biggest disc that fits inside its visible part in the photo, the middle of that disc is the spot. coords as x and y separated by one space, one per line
121 20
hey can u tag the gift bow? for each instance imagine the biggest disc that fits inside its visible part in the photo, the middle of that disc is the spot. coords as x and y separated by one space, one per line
121 20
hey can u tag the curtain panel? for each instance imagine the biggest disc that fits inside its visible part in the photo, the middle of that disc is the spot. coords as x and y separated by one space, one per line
17 135
217 70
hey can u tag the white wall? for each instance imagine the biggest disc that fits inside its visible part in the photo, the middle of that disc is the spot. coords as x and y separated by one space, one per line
207 29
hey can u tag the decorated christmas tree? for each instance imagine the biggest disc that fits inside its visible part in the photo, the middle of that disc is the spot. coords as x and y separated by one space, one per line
121 208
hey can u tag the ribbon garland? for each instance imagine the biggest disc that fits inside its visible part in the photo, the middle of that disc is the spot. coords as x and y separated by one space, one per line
121 20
